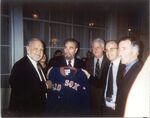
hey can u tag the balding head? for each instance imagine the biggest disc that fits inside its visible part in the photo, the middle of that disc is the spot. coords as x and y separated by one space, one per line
111 50
35 49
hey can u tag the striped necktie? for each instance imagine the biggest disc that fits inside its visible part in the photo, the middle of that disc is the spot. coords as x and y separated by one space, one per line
40 72
97 69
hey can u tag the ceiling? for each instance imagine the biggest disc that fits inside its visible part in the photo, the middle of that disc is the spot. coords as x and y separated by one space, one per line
84 5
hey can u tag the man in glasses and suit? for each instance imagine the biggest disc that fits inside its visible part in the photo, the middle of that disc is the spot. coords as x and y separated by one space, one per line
115 72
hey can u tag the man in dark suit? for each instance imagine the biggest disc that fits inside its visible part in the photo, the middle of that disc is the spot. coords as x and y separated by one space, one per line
139 93
28 83
69 58
97 68
128 51
115 72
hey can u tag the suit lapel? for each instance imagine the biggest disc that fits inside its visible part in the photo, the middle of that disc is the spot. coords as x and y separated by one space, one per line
102 65
64 63
120 73
32 69
75 63
92 65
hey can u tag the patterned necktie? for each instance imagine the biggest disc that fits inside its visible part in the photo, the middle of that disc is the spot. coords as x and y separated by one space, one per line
97 69
110 82
40 71
69 63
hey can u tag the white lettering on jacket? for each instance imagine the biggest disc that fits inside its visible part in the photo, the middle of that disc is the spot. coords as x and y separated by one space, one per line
71 84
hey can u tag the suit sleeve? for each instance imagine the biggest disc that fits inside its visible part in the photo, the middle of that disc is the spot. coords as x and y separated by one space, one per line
25 83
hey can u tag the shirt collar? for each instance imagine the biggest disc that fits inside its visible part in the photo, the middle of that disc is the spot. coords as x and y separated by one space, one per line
72 61
128 66
32 61
116 61
100 59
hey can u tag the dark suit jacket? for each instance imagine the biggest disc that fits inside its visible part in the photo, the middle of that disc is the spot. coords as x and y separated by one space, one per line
120 73
98 82
59 62
27 91
97 85
109 112
124 85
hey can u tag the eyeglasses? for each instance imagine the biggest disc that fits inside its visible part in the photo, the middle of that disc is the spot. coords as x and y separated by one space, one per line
111 49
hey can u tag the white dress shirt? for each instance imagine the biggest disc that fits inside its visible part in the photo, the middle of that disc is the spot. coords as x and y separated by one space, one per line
72 62
36 68
111 104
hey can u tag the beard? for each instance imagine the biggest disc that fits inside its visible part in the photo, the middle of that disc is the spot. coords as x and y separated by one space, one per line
69 57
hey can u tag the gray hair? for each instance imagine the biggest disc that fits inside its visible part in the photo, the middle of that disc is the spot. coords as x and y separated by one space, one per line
134 43
135 47
100 41
32 40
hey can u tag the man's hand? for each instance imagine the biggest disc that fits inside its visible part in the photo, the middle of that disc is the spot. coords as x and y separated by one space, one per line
49 84
86 73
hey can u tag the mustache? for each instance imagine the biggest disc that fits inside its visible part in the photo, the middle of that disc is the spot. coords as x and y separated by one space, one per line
68 57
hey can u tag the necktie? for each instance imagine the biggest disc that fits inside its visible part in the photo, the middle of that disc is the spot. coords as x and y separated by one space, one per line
42 75
69 63
97 69
40 72
110 82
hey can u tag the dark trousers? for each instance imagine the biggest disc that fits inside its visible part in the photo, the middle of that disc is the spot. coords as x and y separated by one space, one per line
96 95
108 112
